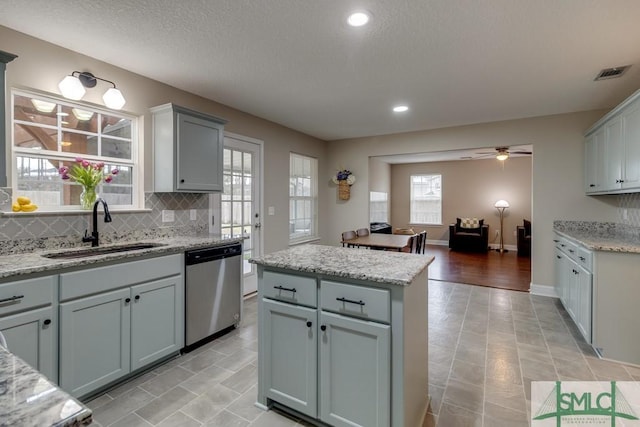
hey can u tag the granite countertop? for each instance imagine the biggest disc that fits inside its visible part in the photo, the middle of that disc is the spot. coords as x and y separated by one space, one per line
28 398
33 262
362 264
600 236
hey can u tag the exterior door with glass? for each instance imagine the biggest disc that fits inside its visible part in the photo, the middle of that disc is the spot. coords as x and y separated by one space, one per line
240 208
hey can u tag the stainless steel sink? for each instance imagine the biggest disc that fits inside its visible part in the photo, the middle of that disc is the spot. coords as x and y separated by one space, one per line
84 253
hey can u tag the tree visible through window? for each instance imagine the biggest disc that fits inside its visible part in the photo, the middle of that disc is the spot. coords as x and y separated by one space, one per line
49 133
303 197
426 199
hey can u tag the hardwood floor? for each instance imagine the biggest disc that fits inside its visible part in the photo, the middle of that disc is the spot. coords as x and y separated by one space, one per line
492 269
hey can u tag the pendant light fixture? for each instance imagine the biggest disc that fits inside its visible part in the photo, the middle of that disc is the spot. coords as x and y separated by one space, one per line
73 87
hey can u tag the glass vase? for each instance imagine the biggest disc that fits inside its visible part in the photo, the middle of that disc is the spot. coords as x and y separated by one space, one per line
88 197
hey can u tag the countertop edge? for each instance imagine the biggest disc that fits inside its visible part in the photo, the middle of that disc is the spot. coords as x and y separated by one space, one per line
598 244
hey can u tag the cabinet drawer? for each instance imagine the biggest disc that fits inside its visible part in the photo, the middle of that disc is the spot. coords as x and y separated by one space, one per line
103 279
585 258
25 294
356 301
290 288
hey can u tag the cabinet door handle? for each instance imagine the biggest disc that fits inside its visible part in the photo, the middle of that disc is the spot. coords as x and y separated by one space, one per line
127 301
592 185
350 301
285 289
47 322
571 250
182 181
582 258
13 298
621 181
323 328
556 240
137 297
558 256
309 323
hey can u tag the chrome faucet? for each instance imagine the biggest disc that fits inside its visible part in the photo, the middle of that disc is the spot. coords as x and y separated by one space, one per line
94 238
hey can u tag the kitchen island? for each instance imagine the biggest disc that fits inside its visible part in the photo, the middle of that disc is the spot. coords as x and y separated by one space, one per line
28 398
343 335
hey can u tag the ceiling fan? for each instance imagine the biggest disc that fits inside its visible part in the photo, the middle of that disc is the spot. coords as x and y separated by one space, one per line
500 153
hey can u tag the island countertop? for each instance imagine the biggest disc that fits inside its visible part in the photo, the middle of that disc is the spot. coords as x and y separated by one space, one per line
395 268
28 398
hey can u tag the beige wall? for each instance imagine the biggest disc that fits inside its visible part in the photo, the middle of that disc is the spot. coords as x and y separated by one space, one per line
469 189
41 66
557 172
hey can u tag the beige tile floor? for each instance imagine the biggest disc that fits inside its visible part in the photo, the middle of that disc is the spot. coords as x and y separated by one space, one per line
485 347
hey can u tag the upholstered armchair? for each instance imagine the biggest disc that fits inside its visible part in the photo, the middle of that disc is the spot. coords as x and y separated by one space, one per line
469 237
524 238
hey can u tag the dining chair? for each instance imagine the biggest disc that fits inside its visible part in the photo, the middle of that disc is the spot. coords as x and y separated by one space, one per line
420 242
409 247
348 235
362 232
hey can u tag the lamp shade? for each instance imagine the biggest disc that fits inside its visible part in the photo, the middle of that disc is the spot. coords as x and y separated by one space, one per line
71 88
113 99
501 204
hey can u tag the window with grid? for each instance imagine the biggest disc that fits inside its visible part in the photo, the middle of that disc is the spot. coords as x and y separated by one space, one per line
49 133
303 197
378 207
426 199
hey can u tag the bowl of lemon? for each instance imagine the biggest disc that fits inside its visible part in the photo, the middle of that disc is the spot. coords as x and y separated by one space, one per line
23 204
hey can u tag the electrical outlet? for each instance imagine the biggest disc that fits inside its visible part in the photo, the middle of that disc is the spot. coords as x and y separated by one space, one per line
625 214
272 210
193 214
168 215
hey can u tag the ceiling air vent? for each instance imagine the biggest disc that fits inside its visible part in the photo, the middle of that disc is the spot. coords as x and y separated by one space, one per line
611 73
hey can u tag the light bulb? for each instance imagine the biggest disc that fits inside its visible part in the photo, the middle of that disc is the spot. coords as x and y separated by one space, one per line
113 99
71 88
358 19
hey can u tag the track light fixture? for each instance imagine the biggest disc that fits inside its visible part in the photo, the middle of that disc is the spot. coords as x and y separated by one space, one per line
73 87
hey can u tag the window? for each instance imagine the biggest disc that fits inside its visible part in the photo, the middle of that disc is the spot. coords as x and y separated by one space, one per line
378 207
426 199
48 133
303 197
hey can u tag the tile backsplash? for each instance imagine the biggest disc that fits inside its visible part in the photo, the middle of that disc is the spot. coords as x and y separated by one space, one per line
630 203
49 231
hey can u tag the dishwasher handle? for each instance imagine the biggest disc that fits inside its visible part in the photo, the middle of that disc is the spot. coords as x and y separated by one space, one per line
198 256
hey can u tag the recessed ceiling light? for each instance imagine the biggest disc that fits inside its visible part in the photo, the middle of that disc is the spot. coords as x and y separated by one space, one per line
400 108
358 19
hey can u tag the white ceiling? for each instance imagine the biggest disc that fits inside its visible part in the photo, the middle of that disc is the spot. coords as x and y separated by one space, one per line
454 155
297 63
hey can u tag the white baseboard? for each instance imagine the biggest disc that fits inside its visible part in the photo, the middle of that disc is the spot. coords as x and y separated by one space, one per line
543 290
438 242
512 248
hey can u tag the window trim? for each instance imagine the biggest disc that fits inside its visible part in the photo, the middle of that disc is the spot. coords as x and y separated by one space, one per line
411 221
313 235
137 151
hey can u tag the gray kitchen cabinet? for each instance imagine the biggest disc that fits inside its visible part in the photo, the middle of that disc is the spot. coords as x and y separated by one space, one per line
117 319
94 341
574 283
341 369
157 320
612 150
29 323
187 149
355 371
291 355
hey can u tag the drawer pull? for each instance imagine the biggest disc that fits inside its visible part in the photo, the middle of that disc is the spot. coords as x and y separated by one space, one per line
558 256
556 240
285 289
323 328
309 324
571 250
563 245
582 258
47 322
350 301
13 298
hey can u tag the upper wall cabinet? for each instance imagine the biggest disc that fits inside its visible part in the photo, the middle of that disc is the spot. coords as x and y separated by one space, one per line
612 150
187 150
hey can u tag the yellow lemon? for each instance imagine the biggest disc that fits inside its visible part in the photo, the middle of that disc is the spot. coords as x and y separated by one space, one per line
15 207
24 200
29 208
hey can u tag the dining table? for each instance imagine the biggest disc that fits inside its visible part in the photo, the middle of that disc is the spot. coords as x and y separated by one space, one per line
392 242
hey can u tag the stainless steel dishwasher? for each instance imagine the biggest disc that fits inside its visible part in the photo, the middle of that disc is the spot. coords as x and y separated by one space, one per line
213 292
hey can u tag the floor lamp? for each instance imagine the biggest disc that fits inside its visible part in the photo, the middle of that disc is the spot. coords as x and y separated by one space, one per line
501 205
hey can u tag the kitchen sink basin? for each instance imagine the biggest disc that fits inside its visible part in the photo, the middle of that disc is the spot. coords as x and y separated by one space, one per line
89 252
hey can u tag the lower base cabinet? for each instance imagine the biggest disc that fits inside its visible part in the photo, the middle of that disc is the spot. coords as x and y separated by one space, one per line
106 336
355 372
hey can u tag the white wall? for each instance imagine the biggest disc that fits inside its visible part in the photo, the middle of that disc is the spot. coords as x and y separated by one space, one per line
557 182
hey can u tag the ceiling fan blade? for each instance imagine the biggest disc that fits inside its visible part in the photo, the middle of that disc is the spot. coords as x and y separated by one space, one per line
521 152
